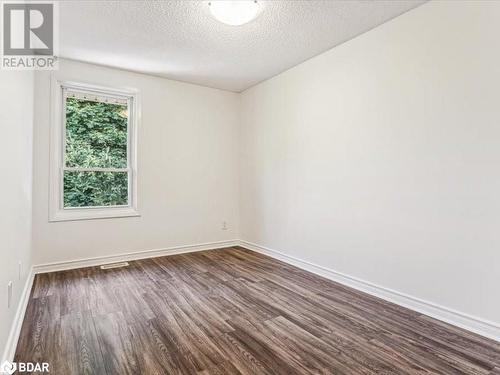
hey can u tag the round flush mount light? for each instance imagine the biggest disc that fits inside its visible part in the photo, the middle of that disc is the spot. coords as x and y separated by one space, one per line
234 12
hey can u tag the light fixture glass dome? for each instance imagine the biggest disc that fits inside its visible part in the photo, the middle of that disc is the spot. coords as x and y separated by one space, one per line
234 12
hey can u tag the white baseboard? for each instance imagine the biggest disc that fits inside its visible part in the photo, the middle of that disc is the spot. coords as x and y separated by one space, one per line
471 323
17 323
97 261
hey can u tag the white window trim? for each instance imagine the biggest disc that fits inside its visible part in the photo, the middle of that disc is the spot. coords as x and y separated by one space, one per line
57 212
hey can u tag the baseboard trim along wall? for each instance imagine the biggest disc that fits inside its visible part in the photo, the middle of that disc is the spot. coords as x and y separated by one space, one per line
471 323
17 323
144 254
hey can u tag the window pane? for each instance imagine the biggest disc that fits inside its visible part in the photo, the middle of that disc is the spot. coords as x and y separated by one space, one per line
96 134
91 189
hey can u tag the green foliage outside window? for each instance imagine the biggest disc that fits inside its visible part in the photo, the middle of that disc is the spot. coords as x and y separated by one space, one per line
96 137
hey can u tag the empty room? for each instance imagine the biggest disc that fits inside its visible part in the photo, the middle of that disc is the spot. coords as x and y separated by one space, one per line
250 187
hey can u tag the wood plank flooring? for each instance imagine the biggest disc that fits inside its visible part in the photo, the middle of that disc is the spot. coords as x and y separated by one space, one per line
233 311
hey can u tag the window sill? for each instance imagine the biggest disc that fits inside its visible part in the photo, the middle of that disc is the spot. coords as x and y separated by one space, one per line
93 213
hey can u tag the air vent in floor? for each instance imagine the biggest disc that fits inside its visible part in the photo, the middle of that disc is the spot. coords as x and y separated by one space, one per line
114 265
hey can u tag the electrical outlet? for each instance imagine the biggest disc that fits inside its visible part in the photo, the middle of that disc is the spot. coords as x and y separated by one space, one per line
224 225
9 294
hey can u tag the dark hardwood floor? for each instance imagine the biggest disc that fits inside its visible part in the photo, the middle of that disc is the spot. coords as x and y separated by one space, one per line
233 311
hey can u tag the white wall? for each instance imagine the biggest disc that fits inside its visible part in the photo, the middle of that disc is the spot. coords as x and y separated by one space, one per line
187 170
16 155
380 158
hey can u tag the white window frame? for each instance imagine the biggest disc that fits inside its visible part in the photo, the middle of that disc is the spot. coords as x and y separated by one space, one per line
57 211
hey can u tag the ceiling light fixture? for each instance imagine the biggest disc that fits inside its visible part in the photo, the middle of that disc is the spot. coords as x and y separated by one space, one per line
234 12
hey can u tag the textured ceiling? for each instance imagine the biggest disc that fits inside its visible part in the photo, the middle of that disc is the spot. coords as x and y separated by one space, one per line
181 40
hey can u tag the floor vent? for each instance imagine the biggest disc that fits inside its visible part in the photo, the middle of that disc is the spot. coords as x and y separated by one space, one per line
114 265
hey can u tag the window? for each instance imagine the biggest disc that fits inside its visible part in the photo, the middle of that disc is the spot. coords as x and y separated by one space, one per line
93 168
